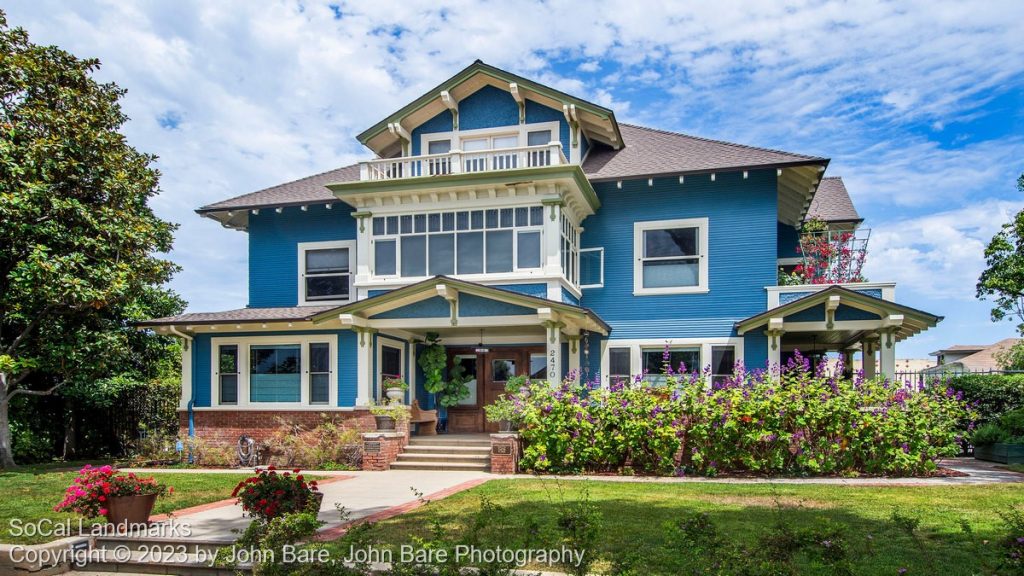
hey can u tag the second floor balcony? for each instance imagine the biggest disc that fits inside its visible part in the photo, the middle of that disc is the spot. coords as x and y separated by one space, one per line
463 162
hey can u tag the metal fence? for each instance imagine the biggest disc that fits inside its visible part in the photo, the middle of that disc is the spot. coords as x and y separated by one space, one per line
922 379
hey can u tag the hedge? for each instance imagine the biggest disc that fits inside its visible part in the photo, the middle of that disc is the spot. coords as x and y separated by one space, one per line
992 395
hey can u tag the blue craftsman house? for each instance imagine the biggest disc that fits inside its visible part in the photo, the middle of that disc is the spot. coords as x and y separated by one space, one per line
536 235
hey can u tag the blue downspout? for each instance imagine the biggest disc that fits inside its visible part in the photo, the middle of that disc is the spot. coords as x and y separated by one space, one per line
191 426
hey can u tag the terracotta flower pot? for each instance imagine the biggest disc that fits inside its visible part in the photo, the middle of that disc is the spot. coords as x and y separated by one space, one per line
125 511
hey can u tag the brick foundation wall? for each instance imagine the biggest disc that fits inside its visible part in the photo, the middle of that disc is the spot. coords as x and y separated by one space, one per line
505 451
223 427
380 449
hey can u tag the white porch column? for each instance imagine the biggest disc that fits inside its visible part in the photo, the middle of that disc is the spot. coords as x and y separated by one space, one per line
554 351
774 333
574 355
364 362
867 356
887 350
552 236
364 224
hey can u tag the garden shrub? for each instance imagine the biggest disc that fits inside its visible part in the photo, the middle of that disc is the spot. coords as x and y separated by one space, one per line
992 395
208 454
328 445
1007 429
801 422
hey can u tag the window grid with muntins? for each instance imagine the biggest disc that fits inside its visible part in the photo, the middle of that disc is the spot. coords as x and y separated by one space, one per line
462 242
570 251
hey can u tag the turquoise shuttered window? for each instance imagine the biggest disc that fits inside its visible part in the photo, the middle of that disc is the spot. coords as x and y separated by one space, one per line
275 373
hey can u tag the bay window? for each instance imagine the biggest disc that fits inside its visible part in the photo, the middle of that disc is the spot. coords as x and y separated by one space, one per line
325 271
492 241
670 256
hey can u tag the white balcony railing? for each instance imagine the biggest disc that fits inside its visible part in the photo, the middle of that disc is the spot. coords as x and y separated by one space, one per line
459 162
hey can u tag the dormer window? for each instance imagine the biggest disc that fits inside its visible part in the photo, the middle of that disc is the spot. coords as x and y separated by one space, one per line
325 272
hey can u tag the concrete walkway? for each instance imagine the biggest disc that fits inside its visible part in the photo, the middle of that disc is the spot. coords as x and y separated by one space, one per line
374 495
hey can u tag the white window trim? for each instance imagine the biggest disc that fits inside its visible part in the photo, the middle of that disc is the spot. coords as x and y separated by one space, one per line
636 348
638 246
383 341
244 342
515 273
304 246
601 283
457 136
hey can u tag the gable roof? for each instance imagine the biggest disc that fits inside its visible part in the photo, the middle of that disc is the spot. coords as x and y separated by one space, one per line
915 321
596 121
302 191
652 152
983 359
832 202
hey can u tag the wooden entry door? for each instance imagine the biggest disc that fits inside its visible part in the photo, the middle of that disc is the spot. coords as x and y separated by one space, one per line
489 370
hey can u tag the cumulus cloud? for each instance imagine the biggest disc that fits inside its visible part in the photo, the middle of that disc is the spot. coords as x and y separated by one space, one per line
235 96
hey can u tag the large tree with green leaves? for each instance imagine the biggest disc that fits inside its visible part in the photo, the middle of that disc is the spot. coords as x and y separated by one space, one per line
79 245
1003 278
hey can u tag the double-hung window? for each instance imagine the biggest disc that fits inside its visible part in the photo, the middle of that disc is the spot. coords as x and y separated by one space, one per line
670 256
723 363
325 271
492 241
619 360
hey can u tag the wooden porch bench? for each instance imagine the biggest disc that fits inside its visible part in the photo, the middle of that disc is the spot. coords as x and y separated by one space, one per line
425 420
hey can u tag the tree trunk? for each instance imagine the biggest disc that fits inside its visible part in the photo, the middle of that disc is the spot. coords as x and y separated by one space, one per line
6 456
70 433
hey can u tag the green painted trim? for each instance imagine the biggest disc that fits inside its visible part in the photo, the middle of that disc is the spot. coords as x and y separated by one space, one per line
573 171
819 297
460 285
503 75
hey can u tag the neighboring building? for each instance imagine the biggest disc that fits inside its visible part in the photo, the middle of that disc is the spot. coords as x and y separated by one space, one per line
912 365
969 357
537 235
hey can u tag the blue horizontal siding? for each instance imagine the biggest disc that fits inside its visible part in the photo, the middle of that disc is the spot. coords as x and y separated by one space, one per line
789 241
569 298
490 107
743 219
471 305
273 248
433 307
755 350
539 290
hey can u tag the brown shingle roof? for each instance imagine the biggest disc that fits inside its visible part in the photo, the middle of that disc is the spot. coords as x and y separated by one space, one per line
832 202
650 152
308 189
986 358
287 314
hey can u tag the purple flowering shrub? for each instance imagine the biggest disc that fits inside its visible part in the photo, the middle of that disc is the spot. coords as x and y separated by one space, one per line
799 421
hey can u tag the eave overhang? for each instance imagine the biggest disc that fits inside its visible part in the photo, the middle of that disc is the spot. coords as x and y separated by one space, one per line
358 314
385 137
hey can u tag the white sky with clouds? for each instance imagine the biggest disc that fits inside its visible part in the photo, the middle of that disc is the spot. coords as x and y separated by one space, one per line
917 103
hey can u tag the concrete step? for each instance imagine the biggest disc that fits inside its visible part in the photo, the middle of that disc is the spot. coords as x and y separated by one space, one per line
445 466
453 458
443 449
138 562
167 544
451 440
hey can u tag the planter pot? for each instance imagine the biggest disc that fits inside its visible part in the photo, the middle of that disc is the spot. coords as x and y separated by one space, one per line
394 394
385 423
125 511
504 426
1002 453
524 391
319 498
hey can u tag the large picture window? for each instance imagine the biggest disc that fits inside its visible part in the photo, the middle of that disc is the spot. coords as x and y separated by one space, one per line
681 360
670 256
273 371
325 271
492 241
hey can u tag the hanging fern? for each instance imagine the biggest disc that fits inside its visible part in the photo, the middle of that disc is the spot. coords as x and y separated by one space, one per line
433 360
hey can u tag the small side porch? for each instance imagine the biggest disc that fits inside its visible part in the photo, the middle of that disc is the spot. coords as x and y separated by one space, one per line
843 320
488 333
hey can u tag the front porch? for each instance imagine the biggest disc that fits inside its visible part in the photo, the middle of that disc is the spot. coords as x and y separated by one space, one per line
489 334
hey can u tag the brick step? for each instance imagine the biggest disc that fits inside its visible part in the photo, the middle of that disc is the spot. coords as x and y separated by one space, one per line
445 466
430 457
442 449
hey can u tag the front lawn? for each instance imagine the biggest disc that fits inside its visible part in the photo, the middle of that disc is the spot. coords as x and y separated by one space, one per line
959 527
30 493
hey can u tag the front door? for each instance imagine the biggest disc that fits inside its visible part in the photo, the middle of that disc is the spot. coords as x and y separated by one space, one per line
488 372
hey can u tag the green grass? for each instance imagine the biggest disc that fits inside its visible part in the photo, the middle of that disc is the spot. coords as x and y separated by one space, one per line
635 515
1015 468
29 494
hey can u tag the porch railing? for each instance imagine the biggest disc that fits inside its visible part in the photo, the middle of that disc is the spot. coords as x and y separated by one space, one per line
459 162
